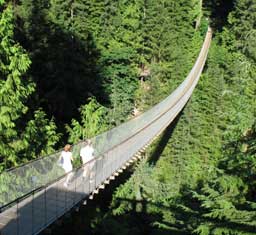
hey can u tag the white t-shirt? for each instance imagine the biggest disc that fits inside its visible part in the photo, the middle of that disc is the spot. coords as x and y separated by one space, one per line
86 153
66 161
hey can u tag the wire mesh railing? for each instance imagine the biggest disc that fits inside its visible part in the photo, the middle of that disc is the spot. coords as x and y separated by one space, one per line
33 196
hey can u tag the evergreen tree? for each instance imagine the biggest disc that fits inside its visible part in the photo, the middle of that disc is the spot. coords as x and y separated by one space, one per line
242 21
63 52
168 27
39 137
14 88
119 81
93 122
121 45
20 140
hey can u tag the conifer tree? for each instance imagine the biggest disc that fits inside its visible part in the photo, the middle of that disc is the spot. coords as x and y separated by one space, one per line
20 140
242 21
58 37
14 89
93 122
120 43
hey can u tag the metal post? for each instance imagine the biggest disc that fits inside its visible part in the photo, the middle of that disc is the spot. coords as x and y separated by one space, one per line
112 156
74 197
45 209
56 200
65 199
89 178
84 183
95 173
17 214
32 226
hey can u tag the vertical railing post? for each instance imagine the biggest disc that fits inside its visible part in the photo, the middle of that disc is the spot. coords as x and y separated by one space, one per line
18 220
95 173
112 157
103 176
56 200
65 199
45 209
118 159
83 180
32 218
89 177
89 181
74 193
102 169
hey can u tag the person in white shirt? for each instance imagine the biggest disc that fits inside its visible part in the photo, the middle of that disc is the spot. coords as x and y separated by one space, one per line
65 159
86 154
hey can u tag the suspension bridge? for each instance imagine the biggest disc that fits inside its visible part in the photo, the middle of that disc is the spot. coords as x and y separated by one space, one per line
33 196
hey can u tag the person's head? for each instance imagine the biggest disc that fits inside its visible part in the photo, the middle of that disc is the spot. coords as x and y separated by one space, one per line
67 147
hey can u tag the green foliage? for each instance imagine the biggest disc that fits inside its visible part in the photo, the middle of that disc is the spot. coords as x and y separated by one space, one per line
93 122
119 80
40 136
242 21
21 139
167 48
121 45
240 159
14 89
62 47
225 200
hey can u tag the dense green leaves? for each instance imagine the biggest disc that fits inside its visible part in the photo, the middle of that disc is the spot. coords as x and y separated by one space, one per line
242 21
18 139
93 122
14 90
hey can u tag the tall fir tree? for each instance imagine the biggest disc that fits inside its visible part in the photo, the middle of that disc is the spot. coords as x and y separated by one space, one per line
14 89
18 142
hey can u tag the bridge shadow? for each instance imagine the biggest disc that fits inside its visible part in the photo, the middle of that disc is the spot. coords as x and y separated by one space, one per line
144 217
165 137
191 211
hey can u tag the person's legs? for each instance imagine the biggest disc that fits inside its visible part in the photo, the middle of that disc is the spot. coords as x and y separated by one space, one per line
92 171
86 170
68 178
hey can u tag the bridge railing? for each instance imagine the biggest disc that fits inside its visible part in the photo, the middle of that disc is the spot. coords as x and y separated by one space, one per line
33 196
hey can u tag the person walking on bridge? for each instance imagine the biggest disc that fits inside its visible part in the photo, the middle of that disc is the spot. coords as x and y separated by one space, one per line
66 162
87 156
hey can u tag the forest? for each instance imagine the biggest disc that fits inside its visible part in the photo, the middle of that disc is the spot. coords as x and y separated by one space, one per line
71 69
